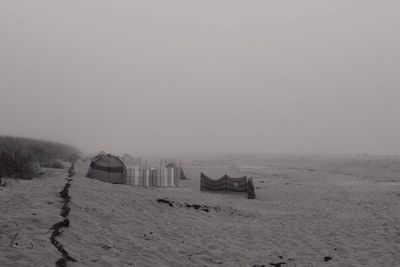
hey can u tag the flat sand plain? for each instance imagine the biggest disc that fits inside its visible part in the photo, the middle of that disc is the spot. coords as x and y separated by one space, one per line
309 211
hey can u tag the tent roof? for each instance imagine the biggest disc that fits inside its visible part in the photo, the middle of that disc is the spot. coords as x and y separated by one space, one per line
102 159
171 165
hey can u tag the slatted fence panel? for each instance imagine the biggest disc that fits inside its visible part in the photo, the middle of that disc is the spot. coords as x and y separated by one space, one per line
154 177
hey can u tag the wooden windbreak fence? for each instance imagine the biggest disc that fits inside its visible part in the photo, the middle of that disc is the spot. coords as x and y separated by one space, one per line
154 177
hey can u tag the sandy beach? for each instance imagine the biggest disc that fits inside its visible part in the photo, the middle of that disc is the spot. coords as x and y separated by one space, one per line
309 211
129 131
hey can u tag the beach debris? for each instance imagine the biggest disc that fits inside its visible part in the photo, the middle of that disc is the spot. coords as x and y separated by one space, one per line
198 207
13 240
64 193
194 206
105 247
57 226
65 211
160 200
150 237
205 208
278 264
327 258
62 262
17 245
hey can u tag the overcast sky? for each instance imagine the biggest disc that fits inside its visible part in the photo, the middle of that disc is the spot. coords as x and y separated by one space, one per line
203 76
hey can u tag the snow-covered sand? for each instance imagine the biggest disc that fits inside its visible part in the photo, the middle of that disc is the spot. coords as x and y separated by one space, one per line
307 208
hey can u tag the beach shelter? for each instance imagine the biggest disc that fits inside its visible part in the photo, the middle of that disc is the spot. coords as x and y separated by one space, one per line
225 183
107 168
228 184
210 184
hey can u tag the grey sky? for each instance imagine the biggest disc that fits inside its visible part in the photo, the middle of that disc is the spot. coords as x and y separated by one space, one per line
203 76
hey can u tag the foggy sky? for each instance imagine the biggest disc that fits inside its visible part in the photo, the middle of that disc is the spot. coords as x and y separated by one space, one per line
203 76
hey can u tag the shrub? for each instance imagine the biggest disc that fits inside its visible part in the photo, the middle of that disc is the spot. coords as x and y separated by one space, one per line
3 182
38 149
18 154
52 164
16 165
56 165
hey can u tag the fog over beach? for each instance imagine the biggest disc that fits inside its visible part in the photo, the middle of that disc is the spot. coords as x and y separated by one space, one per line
204 76
199 133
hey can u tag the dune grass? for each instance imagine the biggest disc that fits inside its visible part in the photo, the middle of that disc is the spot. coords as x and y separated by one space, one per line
18 154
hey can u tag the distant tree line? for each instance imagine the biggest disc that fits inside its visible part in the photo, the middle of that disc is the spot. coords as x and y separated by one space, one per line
17 155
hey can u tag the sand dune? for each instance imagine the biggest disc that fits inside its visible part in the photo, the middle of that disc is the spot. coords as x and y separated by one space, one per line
308 212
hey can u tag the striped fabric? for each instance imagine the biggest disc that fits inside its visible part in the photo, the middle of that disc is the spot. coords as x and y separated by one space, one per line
107 168
236 184
152 177
225 183
251 194
209 184
132 172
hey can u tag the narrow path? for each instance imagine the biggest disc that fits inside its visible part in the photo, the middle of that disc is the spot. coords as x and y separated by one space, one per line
65 209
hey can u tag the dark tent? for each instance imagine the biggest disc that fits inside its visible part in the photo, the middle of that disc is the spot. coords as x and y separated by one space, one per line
107 168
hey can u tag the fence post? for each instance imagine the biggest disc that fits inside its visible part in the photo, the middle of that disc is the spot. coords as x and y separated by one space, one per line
226 183
160 171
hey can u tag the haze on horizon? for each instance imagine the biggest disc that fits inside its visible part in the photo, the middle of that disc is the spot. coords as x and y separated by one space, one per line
203 76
